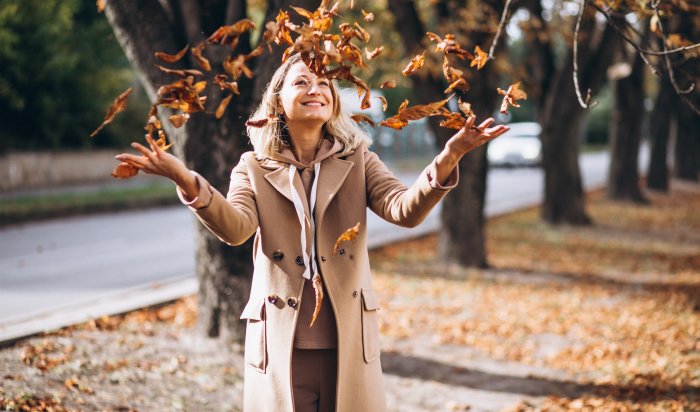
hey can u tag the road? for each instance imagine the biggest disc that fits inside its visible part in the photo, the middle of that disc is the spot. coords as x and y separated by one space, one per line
116 262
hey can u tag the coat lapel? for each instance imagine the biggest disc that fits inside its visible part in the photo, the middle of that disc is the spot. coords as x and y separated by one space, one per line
279 179
331 178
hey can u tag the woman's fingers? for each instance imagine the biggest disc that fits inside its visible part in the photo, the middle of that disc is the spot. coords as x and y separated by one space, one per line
486 123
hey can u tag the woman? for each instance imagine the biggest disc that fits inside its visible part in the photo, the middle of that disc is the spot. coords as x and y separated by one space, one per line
310 178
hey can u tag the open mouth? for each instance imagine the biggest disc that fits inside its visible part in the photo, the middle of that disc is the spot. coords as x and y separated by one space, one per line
313 104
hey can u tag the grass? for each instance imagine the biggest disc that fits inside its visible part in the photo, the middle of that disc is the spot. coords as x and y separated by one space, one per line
36 207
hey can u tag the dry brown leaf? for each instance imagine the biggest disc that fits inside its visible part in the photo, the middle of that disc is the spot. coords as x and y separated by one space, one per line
459 84
172 58
100 6
220 79
256 122
318 294
124 171
388 84
384 102
181 73
511 96
420 111
222 106
202 61
229 35
416 63
178 120
347 236
118 106
371 54
367 16
359 117
480 58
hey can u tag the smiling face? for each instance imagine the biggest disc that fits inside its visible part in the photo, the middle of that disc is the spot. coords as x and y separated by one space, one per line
305 97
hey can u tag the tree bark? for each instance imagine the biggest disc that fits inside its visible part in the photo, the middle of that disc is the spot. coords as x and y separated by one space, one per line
687 153
561 119
461 239
209 146
661 128
625 131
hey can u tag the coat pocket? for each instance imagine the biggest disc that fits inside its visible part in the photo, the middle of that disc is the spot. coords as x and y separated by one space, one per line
255 334
370 326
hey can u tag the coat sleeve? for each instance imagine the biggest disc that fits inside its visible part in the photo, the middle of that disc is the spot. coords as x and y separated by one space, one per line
233 218
405 206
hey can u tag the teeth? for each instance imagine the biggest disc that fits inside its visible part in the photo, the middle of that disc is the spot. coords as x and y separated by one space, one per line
313 104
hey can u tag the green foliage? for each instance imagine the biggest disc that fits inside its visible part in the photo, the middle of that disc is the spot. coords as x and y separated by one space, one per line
61 69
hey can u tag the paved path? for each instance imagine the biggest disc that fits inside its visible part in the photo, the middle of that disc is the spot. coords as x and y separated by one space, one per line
70 270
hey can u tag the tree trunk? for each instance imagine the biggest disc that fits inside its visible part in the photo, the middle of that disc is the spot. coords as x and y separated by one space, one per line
561 120
687 153
625 132
209 146
662 119
462 234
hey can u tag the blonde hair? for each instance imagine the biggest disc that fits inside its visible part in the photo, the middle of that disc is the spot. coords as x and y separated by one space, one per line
268 139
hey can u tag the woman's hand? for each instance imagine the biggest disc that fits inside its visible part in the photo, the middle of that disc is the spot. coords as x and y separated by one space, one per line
464 141
157 161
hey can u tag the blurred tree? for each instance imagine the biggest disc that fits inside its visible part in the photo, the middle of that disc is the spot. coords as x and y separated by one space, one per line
663 126
462 234
627 81
61 67
209 146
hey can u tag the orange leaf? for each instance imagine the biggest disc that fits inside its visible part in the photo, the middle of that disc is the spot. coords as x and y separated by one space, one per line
179 119
511 96
202 61
371 54
229 35
100 6
118 106
480 58
222 106
318 294
181 73
172 58
460 84
416 63
367 16
384 102
362 118
347 236
388 85
124 171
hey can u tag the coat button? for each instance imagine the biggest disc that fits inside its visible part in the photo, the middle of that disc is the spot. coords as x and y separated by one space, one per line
323 258
277 255
292 302
299 261
341 252
354 293
272 299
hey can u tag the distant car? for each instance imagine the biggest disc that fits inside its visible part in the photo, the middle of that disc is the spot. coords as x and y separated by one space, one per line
519 146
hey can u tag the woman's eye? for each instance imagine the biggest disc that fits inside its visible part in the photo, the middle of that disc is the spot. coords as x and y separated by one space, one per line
300 83
324 83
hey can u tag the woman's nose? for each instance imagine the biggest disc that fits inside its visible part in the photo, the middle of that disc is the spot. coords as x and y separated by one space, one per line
313 88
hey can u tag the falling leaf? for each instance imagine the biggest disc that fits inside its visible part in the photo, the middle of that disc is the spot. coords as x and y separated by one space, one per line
220 79
202 61
118 106
406 114
460 84
179 119
368 17
124 171
347 236
162 142
172 58
416 63
229 35
318 294
100 6
453 121
480 58
256 122
465 108
511 96
449 46
236 66
384 102
222 106
388 84
181 73
362 118
371 54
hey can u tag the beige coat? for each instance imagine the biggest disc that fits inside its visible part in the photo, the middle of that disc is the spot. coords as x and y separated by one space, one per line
262 205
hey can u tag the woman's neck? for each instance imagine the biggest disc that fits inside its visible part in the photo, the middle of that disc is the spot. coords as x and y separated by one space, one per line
305 141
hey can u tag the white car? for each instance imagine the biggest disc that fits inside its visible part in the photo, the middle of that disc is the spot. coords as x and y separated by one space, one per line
519 146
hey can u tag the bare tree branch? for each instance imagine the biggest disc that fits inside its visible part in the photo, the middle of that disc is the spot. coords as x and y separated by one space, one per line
500 28
669 66
586 104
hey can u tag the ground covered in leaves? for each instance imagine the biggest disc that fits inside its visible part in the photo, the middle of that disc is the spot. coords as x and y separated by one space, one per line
605 317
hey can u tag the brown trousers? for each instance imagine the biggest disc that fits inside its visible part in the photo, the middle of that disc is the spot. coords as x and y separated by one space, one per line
314 376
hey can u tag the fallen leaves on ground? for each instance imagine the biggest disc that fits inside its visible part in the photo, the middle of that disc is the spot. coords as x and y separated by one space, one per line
616 304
